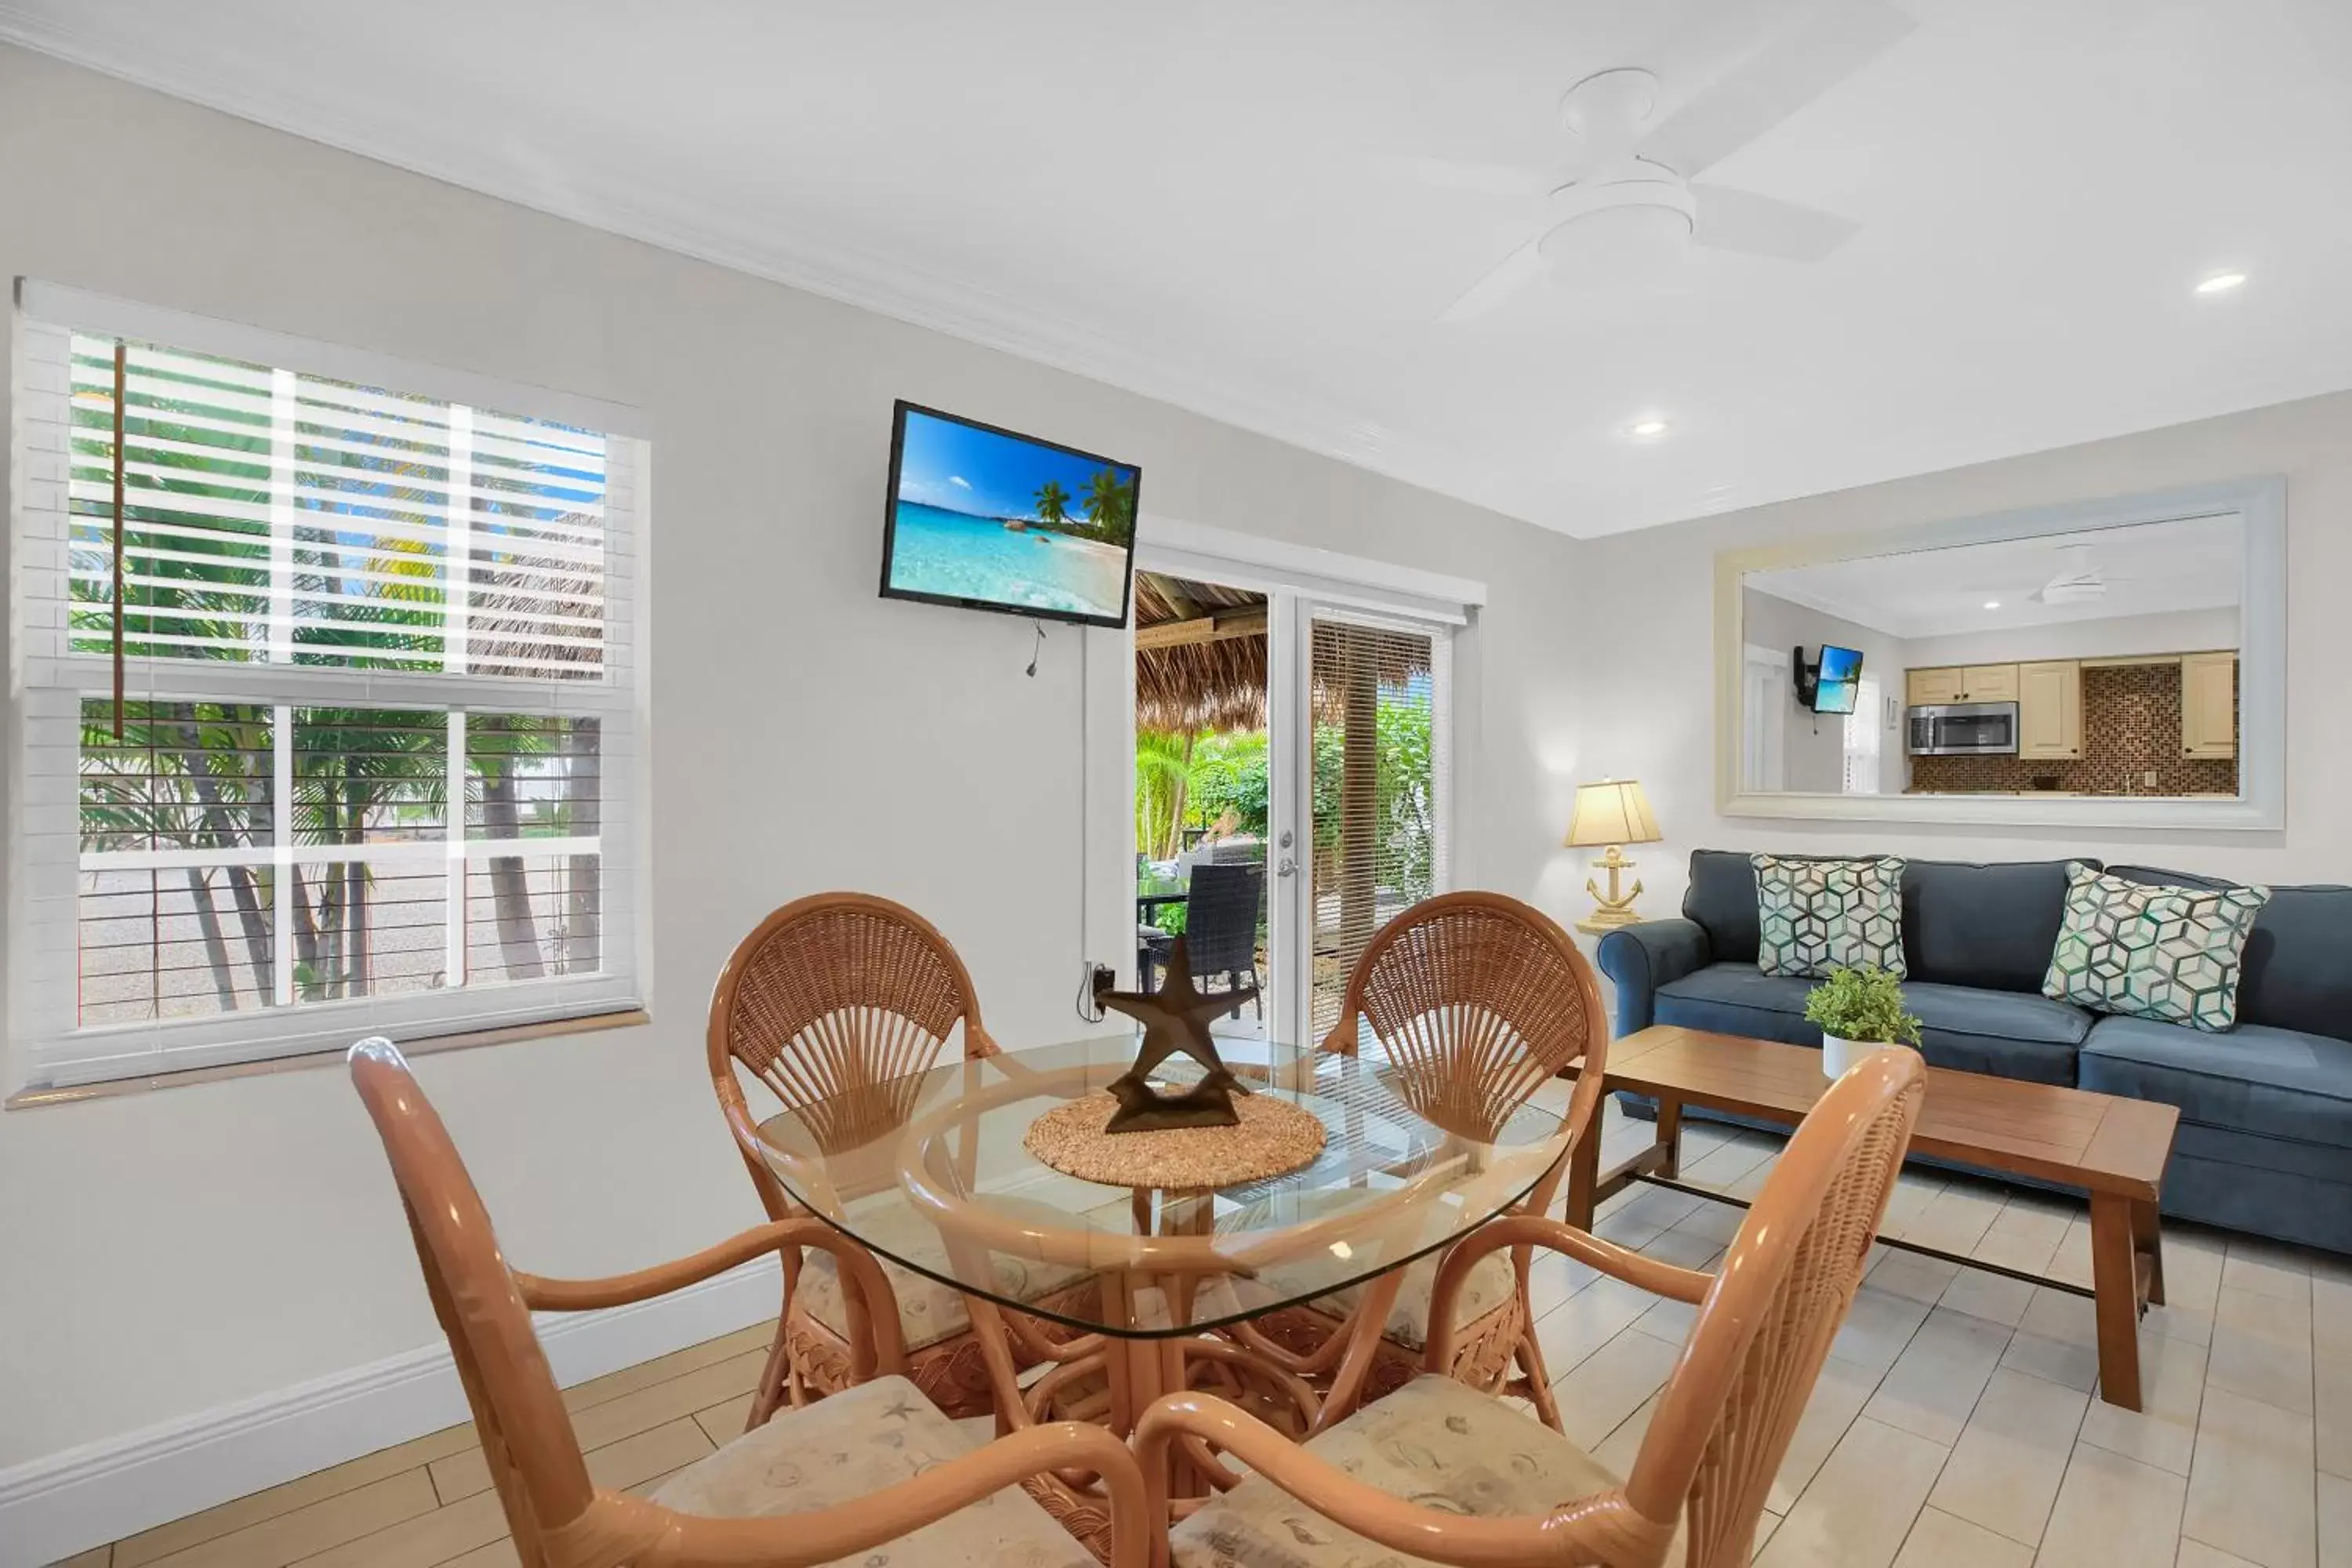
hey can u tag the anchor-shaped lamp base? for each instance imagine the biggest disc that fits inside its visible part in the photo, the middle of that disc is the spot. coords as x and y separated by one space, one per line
1616 909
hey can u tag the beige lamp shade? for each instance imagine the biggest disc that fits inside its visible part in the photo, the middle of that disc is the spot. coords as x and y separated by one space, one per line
1613 811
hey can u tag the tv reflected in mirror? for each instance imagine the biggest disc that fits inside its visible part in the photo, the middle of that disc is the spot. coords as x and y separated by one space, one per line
1840 680
990 520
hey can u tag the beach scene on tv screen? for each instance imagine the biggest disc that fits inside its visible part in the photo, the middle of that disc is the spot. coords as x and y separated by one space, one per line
994 518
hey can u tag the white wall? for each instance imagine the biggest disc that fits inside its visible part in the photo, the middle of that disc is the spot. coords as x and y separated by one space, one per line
1659 600
167 1252
2116 637
1814 754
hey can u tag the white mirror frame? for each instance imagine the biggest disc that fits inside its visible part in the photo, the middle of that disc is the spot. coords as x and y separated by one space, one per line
2261 805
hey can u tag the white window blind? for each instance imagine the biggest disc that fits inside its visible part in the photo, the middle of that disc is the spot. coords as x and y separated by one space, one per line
1862 739
377 755
1379 711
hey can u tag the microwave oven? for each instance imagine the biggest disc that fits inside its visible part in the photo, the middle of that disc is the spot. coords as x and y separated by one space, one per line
1963 729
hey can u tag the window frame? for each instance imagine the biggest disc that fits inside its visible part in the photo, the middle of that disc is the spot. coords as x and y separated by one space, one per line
51 1053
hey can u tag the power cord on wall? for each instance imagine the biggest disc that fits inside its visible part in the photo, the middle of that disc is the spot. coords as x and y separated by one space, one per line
1092 976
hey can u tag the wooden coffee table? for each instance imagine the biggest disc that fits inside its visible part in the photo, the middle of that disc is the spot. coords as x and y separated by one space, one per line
2112 1149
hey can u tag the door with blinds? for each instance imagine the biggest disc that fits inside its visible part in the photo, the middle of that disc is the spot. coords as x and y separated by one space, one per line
1372 745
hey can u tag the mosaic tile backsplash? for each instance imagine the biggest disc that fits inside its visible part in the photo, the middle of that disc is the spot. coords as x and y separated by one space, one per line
2131 726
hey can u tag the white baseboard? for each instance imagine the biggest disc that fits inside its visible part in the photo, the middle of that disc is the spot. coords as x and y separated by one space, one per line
54 1507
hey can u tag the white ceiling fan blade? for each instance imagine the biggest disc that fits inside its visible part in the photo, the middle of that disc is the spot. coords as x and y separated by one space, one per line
1512 273
1731 219
1480 179
1788 73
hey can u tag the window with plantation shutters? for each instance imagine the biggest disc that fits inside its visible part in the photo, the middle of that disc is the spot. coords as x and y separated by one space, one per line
329 716
1379 774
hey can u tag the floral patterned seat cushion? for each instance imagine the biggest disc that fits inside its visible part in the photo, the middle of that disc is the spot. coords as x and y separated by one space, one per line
928 1311
1490 1285
853 1444
1443 1446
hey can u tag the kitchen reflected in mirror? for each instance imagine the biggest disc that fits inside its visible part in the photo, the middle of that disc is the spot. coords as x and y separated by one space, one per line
2114 661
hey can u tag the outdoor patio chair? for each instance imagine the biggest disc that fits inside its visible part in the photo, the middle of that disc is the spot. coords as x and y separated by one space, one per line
1221 924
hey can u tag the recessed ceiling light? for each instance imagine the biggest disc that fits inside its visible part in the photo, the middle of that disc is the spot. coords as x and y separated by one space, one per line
1992 604
1647 430
2221 283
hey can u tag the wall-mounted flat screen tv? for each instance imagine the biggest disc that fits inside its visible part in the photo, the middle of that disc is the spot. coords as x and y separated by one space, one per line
1841 679
992 521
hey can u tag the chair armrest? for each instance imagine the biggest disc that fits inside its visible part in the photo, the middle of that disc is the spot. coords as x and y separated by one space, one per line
645 1531
1657 1277
1641 958
1575 1530
880 1329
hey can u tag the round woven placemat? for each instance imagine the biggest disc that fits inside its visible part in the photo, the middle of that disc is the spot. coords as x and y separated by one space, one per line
1274 1137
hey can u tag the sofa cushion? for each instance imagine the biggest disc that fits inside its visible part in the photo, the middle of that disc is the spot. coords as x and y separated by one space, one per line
2281 1083
1815 916
2294 973
1964 923
2152 950
1991 926
2003 1032
1721 897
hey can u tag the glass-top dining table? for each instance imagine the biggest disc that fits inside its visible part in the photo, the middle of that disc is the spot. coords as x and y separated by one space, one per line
931 1172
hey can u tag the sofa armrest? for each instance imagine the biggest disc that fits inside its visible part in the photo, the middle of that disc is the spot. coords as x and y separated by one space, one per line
1641 958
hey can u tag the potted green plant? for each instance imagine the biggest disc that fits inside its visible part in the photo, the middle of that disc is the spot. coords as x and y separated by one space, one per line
1859 1010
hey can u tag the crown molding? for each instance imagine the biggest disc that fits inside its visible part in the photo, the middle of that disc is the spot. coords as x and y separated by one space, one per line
880 285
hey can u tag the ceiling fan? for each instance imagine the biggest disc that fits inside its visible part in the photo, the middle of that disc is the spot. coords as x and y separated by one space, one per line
2079 580
1626 207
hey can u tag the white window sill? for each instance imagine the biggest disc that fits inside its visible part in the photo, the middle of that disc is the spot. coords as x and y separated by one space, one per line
626 1017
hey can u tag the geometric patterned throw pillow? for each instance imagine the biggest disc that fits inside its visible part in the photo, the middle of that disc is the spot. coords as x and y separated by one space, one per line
1820 915
2169 953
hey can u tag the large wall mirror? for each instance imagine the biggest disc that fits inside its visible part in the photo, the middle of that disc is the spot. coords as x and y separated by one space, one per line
2113 663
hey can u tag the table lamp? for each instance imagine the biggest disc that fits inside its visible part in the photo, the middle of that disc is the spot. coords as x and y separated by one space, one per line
1616 813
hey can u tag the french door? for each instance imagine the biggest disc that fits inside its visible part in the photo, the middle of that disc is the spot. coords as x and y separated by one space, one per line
1360 744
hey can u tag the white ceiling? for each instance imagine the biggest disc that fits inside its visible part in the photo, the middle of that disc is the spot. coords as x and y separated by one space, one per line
2156 568
1204 202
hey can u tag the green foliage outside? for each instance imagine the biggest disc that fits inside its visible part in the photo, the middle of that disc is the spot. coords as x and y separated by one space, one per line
1861 1005
197 774
1192 781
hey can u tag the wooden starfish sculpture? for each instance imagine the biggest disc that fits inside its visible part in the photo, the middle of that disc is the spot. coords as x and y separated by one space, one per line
1175 1020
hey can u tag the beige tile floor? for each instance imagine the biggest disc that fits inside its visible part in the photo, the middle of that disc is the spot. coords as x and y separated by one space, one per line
1955 1426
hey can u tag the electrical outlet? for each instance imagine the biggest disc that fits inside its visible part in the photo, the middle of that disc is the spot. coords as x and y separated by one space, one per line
2148 779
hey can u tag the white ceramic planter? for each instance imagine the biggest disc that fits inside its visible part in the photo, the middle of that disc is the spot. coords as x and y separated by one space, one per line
1837 1055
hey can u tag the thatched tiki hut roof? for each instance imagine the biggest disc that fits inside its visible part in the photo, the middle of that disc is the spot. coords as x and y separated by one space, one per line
1200 658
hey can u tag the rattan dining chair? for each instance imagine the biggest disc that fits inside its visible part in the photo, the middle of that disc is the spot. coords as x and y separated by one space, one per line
876 1466
1439 1472
838 1004
1474 1000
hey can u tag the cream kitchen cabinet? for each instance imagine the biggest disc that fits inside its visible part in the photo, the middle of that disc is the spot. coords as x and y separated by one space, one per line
1989 683
2049 711
2209 704
1924 687
1956 683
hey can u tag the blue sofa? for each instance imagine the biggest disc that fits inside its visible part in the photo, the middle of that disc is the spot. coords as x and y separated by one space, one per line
2265 1138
